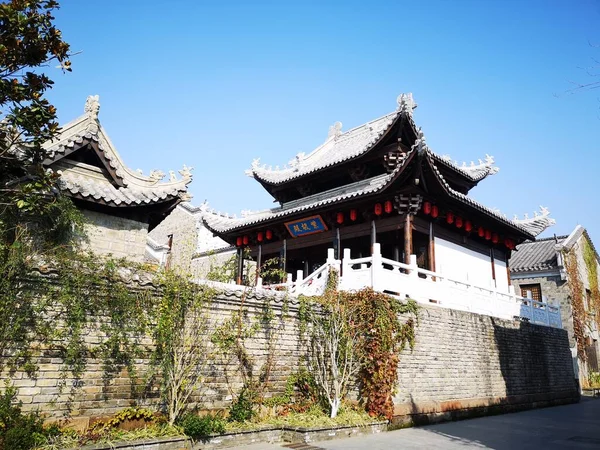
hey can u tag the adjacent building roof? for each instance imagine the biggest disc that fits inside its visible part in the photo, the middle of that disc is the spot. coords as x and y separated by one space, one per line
341 146
544 254
122 186
537 256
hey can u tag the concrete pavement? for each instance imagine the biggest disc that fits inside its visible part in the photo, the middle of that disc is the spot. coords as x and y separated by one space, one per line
563 427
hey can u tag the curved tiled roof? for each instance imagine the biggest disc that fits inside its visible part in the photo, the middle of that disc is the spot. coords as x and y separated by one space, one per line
530 226
223 223
343 146
89 182
536 256
337 148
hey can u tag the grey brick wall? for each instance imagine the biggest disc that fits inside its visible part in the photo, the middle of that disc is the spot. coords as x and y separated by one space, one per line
466 360
461 360
115 235
182 225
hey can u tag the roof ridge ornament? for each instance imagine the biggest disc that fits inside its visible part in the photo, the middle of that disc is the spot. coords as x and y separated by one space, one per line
156 175
420 143
186 172
538 223
335 130
92 106
406 103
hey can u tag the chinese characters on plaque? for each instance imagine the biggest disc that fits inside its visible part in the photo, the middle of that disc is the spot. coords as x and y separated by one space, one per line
309 225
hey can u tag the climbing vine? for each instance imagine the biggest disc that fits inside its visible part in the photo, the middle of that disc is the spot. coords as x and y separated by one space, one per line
365 330
577 303
591 263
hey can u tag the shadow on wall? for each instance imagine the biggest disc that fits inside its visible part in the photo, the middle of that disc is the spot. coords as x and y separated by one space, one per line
536 364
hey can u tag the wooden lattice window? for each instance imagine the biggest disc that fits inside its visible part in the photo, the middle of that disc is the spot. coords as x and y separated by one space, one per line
535 289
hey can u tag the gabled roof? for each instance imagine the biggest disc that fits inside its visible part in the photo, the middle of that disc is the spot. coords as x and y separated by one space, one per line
343 146
536 256
122 186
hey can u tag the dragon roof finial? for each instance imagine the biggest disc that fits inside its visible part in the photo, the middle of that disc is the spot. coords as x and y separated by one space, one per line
92 106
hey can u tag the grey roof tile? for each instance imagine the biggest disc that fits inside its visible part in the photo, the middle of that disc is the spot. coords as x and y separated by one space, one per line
536 256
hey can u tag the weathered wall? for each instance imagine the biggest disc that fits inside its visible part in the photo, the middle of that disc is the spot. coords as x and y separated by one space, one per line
460 361
557 292
182 225
115 235
190 237
94 396
463 360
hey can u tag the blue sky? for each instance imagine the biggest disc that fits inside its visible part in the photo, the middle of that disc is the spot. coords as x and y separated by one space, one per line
216 84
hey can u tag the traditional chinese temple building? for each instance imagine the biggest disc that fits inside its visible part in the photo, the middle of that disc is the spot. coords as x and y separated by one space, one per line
379 189
120 205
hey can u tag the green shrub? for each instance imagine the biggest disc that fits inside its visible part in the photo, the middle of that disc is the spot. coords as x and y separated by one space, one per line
18 431
197 427
241 409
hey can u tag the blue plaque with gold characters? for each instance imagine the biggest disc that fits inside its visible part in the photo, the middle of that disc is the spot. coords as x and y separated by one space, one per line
309 225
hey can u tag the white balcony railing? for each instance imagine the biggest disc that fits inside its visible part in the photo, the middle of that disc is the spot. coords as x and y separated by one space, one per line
424 286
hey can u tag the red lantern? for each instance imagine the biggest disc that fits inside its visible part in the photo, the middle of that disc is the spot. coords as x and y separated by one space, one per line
427 208
488 235
245 240
269 235
388 206
449 217
480 232
378 209
509 244
238 241
495 238
435 211
352 215
260 236
339 218
459 222
468 226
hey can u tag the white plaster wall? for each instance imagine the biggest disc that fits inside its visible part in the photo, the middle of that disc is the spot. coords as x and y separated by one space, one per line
501 275
461 263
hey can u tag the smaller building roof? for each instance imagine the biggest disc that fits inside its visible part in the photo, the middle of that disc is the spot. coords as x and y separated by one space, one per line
117 185
537 256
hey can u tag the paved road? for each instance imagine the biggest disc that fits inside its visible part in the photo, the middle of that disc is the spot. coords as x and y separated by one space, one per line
563 427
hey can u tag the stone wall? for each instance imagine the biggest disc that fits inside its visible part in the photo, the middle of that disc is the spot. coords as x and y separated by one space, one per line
182 225
557 292
116 235
93 395
194 248
461 362
465 361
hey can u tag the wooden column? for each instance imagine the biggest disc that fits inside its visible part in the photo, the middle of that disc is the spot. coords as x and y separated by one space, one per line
431 247
408 246
283 257
493 266
337 252
240 264
258 262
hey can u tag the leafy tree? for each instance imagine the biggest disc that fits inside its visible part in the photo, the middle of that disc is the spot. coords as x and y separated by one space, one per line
29 41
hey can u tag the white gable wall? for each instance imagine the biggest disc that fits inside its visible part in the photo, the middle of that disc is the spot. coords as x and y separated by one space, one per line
460 263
